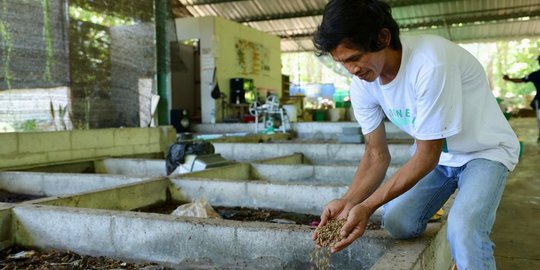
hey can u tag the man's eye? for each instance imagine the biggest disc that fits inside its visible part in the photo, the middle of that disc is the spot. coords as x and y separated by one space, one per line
353 59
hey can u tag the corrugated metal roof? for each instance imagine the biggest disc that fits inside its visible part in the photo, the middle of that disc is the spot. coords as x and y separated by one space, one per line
458 20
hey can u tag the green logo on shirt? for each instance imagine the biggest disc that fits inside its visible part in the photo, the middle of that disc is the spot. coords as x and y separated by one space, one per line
401 117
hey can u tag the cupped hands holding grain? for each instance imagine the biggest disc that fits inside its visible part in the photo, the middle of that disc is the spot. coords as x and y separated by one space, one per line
356 216
354 227
329 234
335 209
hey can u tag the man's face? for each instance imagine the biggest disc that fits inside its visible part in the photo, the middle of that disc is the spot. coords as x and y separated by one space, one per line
366 66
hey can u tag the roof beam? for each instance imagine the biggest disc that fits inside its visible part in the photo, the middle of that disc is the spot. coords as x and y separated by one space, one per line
442 21
307 13
311 13
179 10
283 16
392 3
465 17
318 12
211 2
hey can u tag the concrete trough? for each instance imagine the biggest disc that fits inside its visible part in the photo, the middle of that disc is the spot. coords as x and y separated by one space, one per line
193 243
314 153
124 197
245 137
283 173
304 199
59 184
302 130
136 167
299 198
181 242
295 158
6 235
215 244
320 174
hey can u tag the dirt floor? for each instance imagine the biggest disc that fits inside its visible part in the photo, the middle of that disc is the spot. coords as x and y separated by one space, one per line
249 214
8 197
21 258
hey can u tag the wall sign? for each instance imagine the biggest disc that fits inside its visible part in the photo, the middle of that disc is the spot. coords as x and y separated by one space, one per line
252 58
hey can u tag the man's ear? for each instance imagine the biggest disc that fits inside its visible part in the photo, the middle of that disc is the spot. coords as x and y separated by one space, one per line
385 37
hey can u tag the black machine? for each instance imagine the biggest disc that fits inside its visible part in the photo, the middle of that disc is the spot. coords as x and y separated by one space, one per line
178 151
180 120
242 91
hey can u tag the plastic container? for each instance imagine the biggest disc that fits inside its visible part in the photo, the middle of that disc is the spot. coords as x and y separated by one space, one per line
337 114
319 115
327 90
339 98
291 112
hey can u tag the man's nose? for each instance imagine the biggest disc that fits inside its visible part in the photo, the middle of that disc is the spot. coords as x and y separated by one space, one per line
352 68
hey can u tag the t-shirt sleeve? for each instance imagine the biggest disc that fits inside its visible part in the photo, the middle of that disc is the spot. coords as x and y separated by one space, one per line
367 111
439 102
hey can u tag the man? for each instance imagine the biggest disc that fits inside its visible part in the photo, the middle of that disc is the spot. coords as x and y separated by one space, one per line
437 92
534 77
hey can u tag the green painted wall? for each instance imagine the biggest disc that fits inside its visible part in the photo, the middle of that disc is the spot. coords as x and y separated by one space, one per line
228 33
32 149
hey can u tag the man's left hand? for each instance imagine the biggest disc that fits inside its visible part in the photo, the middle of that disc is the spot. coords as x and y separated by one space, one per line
354 227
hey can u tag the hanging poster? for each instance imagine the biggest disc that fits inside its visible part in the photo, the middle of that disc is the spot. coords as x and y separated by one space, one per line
252 58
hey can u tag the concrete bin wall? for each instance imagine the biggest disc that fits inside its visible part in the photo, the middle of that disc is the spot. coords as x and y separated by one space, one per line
34 149
314 153
306 199
131 167
238 171
6 235
282 173
309 174
59 184
296 158
304 130
60 223
124 197
184 242
278 182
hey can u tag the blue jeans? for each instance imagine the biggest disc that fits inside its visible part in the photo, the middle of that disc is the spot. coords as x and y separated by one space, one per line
480 183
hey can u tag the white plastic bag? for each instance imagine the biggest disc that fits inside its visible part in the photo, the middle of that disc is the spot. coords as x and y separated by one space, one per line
199 208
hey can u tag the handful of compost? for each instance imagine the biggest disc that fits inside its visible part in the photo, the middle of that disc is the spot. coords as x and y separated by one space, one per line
329 234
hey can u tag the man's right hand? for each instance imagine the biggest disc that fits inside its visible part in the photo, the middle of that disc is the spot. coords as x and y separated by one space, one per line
336 209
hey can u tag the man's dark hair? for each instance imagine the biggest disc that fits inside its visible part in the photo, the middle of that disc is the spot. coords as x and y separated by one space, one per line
358 23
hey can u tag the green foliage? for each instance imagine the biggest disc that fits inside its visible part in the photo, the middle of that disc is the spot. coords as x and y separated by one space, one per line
85 15
27 126
61 115
47 39
90 51
305 68
7 47
515 58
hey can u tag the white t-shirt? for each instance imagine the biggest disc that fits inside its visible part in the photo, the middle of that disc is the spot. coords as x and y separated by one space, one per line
440 91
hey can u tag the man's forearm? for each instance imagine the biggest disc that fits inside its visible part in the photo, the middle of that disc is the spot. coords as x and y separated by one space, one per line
368 177
405 178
